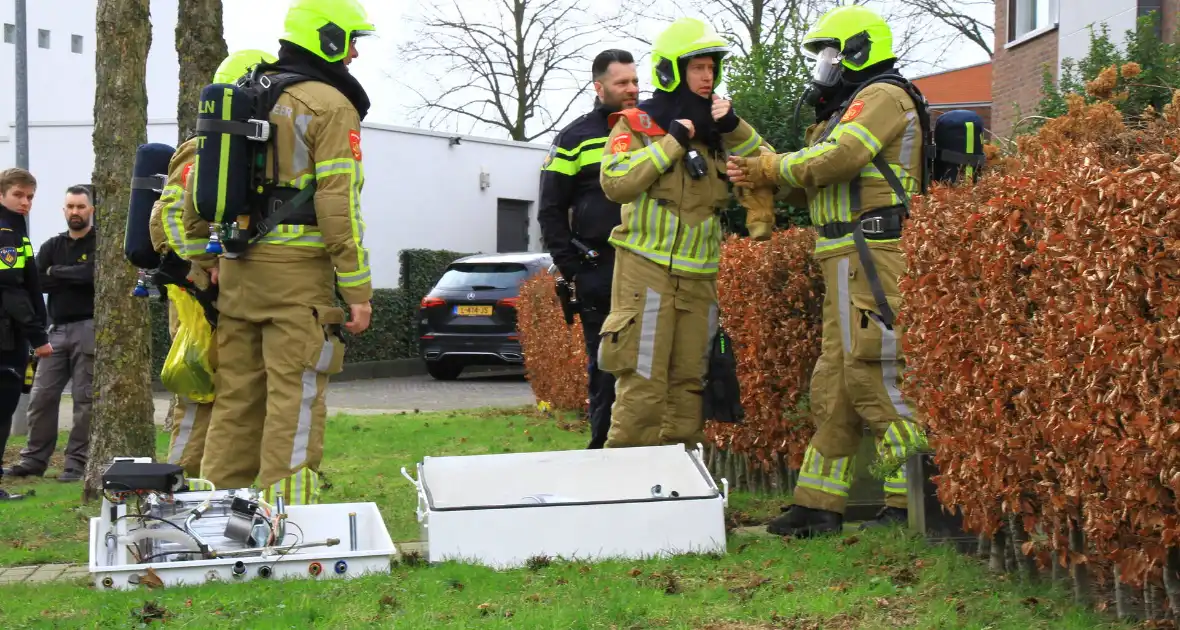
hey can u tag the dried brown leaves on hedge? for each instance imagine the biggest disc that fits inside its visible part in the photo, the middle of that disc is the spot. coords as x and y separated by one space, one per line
1043 334
555 354
770 296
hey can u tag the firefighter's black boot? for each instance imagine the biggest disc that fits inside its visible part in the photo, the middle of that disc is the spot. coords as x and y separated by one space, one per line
887 517
805 522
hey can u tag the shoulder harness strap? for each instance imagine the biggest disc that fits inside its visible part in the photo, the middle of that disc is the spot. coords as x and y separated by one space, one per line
928 153
272 87
154 183
265 90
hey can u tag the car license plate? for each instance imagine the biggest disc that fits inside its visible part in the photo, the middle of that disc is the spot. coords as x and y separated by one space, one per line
473 310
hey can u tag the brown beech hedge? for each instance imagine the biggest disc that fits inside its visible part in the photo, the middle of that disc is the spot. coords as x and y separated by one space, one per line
555 362
770 296
1043 339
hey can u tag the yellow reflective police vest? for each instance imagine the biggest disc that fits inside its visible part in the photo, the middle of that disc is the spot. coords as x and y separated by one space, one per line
15 256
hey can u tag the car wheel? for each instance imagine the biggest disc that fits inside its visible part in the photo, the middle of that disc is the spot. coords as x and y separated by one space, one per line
444 370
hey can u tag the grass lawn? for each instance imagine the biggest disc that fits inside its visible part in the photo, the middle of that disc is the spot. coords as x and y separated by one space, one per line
879 580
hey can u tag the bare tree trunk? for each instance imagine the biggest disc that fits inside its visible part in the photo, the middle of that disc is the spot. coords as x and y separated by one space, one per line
1160 600
1151 601
200 48
1172 579
983 547
723 466
122 423
733 461
781 473
997 549
1125 602
1026 564
1081 573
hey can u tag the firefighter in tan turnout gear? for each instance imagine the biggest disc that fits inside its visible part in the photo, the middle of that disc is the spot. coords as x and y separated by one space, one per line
190 420
665 162
278 334
853 150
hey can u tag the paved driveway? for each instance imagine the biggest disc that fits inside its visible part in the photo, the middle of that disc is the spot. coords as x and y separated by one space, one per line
500 388
423 393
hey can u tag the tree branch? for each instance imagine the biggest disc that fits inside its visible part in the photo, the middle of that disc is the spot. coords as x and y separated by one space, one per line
508 61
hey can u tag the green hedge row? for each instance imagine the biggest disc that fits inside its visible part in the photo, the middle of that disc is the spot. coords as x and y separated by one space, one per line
393 331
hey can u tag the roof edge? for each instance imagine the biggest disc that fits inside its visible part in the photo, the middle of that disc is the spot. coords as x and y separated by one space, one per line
942 72
965 105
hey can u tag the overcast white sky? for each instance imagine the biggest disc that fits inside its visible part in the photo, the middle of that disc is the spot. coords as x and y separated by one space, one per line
387 77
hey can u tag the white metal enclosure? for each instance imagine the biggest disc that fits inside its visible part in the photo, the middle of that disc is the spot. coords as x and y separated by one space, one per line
112 567
501 510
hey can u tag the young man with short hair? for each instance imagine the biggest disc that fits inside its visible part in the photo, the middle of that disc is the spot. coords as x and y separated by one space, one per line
66 264
22 307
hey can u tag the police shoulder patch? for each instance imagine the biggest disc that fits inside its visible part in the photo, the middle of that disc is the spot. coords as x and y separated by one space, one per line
550 155
354 142
853 111
8 256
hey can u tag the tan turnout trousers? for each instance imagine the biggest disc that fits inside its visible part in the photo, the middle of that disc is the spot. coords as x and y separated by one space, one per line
277 344
656 343
857 379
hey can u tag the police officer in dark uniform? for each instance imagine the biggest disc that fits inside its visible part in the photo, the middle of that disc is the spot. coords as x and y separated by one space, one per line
22 306
576 218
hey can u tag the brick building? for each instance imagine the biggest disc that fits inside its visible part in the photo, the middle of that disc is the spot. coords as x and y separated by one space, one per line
1033 34
962 88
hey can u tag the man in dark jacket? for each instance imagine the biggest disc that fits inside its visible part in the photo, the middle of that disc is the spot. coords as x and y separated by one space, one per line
574 212
22 307
66 272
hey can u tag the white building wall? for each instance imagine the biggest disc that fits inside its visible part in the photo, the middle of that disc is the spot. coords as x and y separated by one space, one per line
1076 17
421 190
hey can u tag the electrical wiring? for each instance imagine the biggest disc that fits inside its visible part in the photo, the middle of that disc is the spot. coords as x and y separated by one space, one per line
150 517
208 499
169 553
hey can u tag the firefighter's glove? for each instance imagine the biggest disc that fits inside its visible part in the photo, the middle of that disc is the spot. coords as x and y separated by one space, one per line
759 205
752 172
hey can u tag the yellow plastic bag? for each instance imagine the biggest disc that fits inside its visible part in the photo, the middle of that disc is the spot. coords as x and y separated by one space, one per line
187 370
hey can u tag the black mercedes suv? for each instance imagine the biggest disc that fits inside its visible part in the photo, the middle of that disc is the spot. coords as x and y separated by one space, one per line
469 317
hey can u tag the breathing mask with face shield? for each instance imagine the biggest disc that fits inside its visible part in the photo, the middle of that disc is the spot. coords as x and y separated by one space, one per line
827 64
827 67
